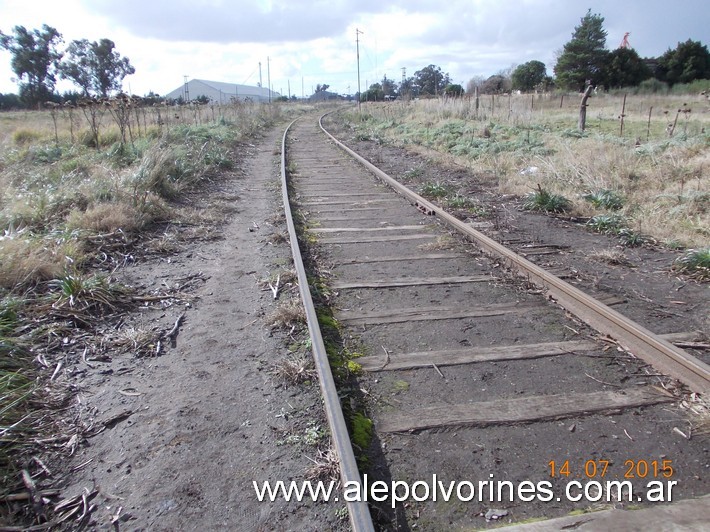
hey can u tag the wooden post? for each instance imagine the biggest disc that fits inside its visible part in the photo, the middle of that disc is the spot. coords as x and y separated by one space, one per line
532 102
581 124
623 110
648 127
562 99
477 102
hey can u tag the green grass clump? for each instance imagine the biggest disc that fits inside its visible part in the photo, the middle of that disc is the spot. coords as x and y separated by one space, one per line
608 224
605 199
434 190
544 201
695 263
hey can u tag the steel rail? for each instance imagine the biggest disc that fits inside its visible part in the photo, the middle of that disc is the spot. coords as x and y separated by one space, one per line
659 353
360 519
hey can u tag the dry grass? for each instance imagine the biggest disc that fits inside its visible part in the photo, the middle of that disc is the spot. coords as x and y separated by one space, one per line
525 140
107 218
67 208
611 256
27 260
296 369
288 315
326 466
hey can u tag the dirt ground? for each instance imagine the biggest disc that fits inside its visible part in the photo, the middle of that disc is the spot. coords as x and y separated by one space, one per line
173 442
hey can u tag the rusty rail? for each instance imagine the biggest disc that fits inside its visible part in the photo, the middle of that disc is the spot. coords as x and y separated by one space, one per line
638 340
360 519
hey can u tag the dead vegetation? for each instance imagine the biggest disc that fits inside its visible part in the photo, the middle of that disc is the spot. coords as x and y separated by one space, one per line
71 217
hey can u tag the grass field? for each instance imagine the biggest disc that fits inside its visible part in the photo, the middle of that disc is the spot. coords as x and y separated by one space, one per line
656 167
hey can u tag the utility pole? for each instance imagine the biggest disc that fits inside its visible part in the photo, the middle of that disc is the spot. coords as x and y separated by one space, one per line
289 89
404 80
268 76
357 45
260 83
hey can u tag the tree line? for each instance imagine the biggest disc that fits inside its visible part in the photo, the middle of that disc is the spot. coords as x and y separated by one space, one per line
584 60
95 67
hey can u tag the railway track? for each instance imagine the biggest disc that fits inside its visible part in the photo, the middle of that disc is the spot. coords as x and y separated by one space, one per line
479 366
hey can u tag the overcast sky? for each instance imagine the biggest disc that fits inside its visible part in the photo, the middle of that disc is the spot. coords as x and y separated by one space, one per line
305 43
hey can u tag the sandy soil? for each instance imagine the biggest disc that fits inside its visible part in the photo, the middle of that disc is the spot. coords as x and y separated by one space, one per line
175 441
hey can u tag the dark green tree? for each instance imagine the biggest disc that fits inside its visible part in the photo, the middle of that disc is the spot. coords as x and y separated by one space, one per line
96 67
529 76
582 59
688 62
496 84
625 69
322 88
389 88
408 88
431 80
453 89
34 59
373 94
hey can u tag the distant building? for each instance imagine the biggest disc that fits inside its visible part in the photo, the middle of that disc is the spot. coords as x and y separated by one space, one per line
220 92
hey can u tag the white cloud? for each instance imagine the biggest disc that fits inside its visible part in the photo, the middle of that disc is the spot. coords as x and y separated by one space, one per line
314 41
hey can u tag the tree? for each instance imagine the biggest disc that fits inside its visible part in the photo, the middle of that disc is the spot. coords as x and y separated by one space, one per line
408 88
474 83
625 68
388 87
529 76
322 88
431 80
496 84
688 62
95 67
373 94
34 60
453 89
582 59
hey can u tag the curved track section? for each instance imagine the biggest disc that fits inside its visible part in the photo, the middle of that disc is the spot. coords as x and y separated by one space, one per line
638 340
360 519
470 374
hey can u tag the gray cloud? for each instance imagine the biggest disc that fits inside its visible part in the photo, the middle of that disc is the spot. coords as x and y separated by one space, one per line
265 21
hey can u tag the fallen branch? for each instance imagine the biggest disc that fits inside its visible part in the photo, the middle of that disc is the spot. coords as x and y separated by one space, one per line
275 287
172 333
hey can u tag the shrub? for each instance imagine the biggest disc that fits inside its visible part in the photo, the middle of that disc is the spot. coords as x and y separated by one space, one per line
694 262
606 223
22 137
434 190
605 199
543 201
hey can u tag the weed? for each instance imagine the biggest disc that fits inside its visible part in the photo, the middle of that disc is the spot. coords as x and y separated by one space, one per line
544 201
87 292
608 224
605 199
630 238
414 173
695 263
296 369
23 137
326 467
611 256
287 315
459 202
434 190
